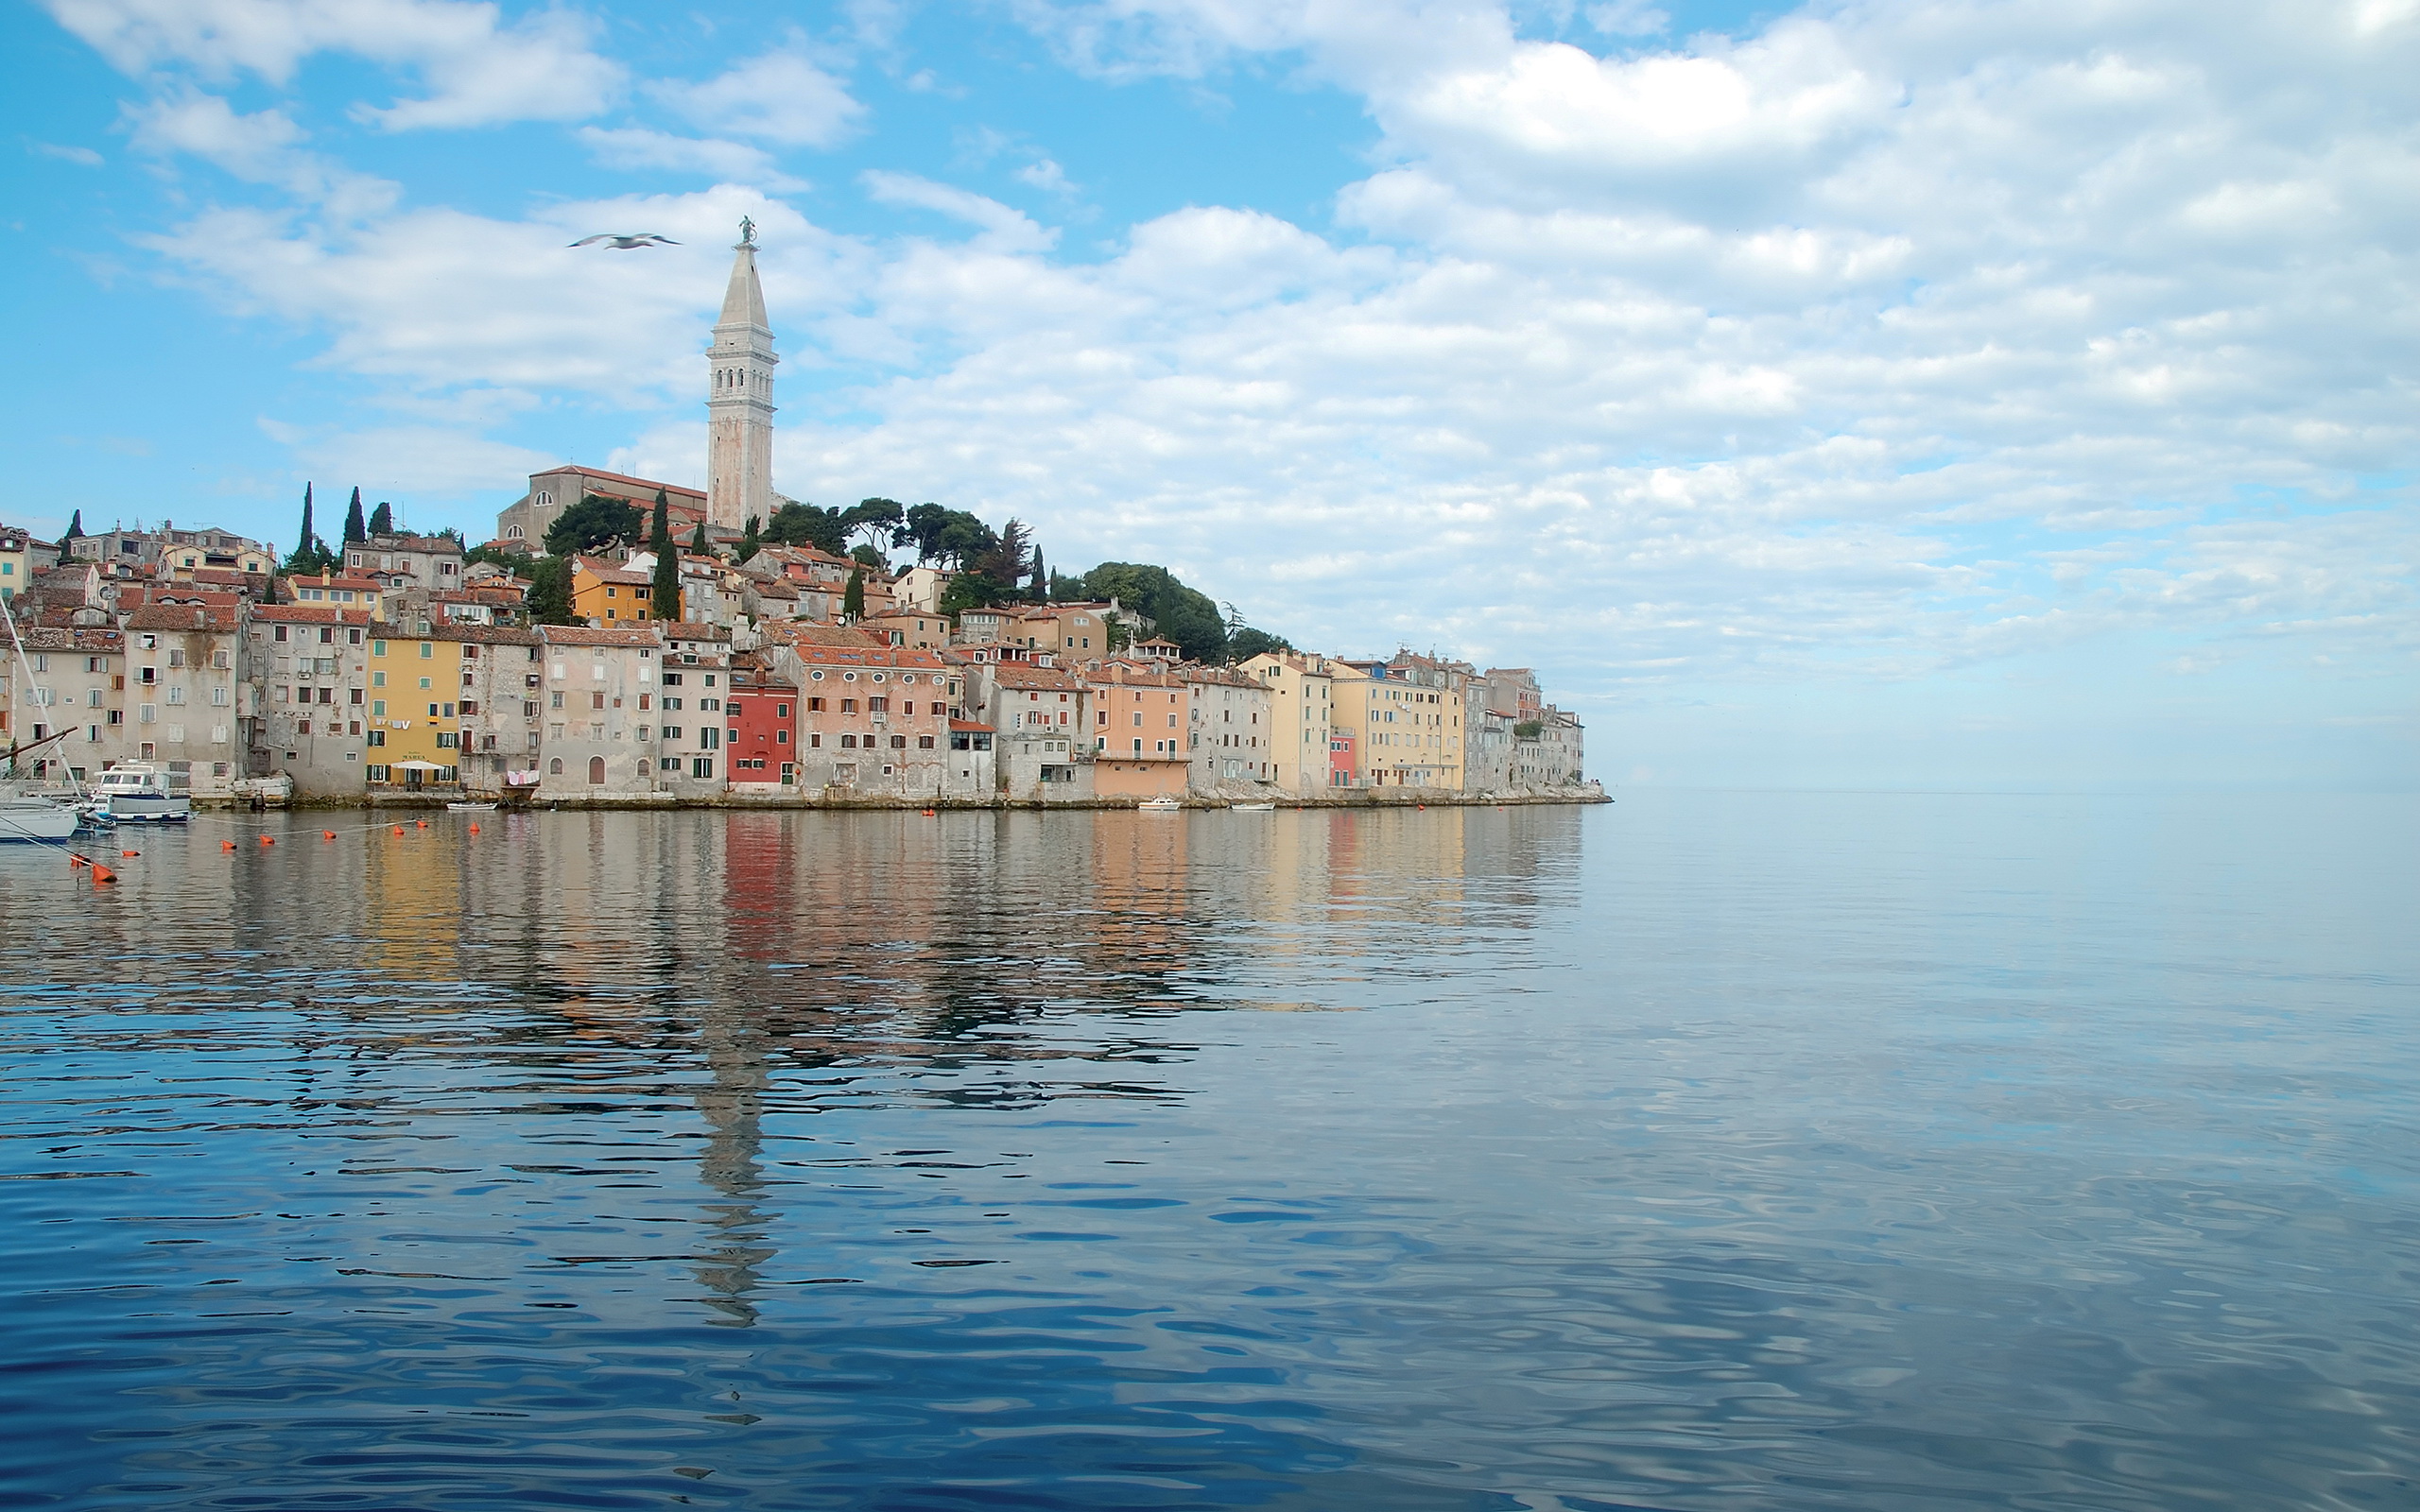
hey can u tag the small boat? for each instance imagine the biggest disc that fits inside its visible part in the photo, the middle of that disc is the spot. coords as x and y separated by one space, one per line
29 816
1253 808
137 792
469 808
1163 804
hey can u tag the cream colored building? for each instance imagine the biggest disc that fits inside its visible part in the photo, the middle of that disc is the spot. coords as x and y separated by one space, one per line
1301 711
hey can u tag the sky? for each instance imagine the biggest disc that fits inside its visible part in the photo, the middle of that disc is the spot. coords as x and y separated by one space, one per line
2006 396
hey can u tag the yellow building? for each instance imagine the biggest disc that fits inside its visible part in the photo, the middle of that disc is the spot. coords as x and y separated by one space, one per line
607 595
16 561
414 732
1301 708
1401 721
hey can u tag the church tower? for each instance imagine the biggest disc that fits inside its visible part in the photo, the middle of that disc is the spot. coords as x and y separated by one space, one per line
739 398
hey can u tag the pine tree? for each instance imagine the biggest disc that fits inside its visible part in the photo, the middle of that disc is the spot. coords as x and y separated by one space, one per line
307 549
853 598
382 519
665 600
354 529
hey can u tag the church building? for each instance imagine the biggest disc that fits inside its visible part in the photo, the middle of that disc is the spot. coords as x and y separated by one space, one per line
739 433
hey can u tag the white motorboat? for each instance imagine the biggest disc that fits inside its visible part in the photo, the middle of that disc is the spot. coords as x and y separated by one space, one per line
469 808
30 816
138 792
1163 804
1253 808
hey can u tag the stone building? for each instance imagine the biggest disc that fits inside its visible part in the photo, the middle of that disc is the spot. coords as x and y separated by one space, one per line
874 719
180 684
691 690
598 712
1227 743
303 700
1040 718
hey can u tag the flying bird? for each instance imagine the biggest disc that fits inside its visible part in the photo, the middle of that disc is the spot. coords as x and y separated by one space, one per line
624 244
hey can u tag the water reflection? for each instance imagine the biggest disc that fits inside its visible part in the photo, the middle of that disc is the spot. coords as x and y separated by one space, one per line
1827 1155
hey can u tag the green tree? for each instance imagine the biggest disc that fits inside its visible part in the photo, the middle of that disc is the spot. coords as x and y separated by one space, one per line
804 524
1039 588
663 597
921 527
311 554
853 598
698 546
869 557
1246 643
550 591
354 529
752 539
1183 615
881 522
382 519
75 530
594 521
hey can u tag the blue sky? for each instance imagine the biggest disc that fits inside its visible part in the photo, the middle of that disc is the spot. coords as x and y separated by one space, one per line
1936 394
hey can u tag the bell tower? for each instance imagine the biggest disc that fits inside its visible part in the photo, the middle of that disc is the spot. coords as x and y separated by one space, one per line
740 397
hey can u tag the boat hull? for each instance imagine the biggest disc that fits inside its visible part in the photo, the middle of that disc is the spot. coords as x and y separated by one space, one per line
35 819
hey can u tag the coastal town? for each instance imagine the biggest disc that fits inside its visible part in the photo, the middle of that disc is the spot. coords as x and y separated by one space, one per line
627 641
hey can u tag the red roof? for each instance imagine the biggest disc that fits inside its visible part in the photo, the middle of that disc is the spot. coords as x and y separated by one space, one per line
582 635
957 725
619 478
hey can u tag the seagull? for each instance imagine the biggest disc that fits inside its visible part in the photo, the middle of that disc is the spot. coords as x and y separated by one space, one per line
624 244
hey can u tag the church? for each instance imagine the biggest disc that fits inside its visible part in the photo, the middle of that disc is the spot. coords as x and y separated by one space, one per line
739 433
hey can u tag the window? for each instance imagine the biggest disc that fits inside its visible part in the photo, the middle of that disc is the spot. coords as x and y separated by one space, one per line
702 766
427 649
780 710
426 684
815 706
597 700
378 707
923 743
596 771
448 740
558 700
643 733
377 737
555 767
848 706
782 737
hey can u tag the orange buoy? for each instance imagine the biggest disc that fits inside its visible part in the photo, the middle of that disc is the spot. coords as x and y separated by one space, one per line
475 829
327 834
422 823
226 845
73 861
399 829
101 873
129 855
265 840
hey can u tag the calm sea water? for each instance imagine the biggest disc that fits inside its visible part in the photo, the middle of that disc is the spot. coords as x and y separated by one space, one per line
1707 1151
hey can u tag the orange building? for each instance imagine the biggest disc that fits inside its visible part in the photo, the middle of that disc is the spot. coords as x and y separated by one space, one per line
607 595
1140 717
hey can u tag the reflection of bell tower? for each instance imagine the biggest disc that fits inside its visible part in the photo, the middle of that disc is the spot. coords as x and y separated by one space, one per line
739 398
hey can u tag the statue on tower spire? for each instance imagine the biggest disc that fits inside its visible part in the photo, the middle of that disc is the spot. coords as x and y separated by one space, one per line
746 232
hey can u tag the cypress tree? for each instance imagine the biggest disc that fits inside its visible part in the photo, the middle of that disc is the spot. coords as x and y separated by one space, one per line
853 598
354 529
306 550
665 599
1040 590
382 519
750 541
75 529
698 546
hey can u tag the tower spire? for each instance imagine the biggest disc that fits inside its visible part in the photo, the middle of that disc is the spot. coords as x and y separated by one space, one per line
739 396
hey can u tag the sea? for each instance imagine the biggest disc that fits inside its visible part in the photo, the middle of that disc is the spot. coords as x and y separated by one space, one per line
1698 1152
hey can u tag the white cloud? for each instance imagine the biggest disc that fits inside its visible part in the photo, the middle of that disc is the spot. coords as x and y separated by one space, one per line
732 162
779 97
1887 343
1047 176
81 157
1004 230
480 71
262 148
408 460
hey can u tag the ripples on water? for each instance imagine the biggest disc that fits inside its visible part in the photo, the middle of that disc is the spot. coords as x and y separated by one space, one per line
1719 1151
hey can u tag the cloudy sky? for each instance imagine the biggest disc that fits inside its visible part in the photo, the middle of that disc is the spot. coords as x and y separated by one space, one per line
1951 394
